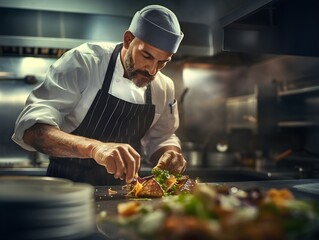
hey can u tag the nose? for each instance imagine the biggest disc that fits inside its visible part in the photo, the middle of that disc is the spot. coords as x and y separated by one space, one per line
152 68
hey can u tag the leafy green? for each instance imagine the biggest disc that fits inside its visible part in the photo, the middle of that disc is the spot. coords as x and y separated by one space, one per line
162 176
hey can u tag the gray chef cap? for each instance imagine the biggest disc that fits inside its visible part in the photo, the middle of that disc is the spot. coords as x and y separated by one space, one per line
158 26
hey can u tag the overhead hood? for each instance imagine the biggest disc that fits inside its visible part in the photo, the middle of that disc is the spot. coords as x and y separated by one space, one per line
51 33
285 27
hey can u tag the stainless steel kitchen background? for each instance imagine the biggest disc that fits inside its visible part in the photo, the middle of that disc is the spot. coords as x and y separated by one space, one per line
18 76
246 77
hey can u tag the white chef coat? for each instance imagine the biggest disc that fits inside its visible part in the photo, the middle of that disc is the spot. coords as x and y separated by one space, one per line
72 83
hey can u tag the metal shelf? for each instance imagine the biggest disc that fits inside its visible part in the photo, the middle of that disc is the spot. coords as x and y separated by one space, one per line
298 123
294 99
302 92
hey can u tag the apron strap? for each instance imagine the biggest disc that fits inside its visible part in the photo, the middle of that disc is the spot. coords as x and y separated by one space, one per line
148 95
110 68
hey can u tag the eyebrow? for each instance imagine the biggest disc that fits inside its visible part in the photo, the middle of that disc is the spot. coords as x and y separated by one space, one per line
150 55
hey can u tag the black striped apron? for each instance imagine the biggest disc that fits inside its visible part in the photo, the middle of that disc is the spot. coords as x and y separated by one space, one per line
109 119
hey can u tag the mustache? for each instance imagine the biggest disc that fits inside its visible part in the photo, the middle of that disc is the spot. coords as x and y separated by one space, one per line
143 73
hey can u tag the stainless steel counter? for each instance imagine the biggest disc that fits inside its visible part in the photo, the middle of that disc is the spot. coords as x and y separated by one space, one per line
107 203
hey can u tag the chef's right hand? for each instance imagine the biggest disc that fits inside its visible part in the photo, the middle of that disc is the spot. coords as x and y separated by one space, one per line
119 159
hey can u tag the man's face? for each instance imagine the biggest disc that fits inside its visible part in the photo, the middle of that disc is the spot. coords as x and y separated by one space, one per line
142 62
140 78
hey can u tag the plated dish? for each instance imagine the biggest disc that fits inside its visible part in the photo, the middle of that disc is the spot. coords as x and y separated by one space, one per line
214 211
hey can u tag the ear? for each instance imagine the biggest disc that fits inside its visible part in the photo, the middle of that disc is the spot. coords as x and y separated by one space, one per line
127 39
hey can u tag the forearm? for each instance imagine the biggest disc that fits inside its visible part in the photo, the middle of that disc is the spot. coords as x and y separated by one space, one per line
54 142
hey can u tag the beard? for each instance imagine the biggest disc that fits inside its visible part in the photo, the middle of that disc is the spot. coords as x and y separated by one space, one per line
139 77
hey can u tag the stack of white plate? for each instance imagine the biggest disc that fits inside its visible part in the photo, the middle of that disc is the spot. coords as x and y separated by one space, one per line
45 208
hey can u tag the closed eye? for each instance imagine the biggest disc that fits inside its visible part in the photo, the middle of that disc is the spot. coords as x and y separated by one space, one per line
149 56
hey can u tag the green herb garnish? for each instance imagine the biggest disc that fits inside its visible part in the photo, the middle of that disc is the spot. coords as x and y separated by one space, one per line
162 176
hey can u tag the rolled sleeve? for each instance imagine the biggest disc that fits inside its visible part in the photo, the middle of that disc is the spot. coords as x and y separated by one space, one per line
32 114
53 99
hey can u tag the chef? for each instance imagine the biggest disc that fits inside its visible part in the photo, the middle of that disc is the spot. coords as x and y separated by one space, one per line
103 105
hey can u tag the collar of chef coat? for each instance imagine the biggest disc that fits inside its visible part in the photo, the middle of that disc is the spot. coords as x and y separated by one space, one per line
124 88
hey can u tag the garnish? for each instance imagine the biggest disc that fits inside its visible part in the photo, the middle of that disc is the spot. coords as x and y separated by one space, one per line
160 183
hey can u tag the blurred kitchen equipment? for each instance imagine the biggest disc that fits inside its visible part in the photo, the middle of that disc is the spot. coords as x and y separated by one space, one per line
181 110
222 147
220 156
220 159
14 162
247 159
283 155
182 98
193 153
13 94
260 161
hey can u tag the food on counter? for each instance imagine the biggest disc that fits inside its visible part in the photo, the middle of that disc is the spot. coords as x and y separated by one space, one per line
111 192
128 208
278 196
160 183
219 212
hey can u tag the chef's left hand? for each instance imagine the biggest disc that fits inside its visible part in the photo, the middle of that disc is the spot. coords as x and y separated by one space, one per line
172 161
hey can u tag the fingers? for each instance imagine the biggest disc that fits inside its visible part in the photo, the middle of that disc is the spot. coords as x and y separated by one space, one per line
131 160
121 160
119 165
136 156
184 168
172 161
110 165
127 164
132 166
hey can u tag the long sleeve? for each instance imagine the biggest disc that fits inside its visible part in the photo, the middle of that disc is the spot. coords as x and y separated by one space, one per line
54 98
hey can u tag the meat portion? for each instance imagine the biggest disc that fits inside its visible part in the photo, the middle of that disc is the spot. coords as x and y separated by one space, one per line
151 188
160 184
185 228
186 185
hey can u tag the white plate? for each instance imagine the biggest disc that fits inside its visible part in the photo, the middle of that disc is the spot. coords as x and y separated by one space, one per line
34 181
45 195
46 208
56 216
44 191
